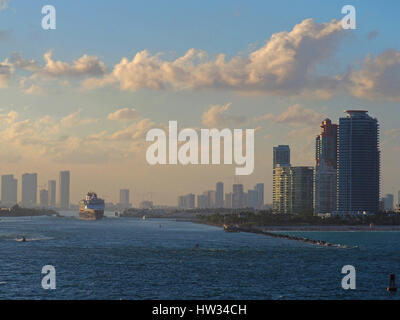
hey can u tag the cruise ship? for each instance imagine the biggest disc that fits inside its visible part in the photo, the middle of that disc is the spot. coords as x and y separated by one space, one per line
91 208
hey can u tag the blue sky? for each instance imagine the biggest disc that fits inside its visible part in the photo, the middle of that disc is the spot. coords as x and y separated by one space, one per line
110 31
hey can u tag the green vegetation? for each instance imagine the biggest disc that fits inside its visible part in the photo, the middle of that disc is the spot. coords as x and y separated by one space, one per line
266 218
17 211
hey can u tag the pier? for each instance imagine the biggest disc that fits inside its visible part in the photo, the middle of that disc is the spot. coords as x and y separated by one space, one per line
289 237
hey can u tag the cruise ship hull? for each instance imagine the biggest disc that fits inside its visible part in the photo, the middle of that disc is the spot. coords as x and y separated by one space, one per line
91 214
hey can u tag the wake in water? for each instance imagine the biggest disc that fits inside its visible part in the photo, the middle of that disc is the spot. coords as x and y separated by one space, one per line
35 239
19 237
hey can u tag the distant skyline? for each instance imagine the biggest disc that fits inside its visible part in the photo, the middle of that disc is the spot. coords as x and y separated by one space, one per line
82 97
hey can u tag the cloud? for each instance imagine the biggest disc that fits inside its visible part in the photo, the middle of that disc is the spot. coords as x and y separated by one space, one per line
85 65
58 140
9 117
74 120
20 63
284 65
379 77
123 114
295 115
217 116
6 70
134 131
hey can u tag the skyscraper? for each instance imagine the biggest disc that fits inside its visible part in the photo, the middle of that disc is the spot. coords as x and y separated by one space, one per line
293 190
202 201
388 202
211 198
282 190
228 200
326 168
124 200
358 163
281 156
260 195
29 189
238 196
302 190
252 199
9 190
44 198
219 195
52 193
281 177
398 198
186 201
64 189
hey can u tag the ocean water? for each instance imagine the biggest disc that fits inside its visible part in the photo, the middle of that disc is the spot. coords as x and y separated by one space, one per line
123 258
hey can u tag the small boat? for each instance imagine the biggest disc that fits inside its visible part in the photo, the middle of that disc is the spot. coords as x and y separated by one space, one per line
21 239
230 228
144 218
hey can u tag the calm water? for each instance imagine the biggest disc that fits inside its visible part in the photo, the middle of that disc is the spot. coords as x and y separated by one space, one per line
155 259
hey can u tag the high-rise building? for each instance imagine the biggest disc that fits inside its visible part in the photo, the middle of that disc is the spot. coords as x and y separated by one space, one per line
388 202
238 196
219 195
9 190
281 156
252 199
282 190
202 201
397 207
44 198
302 179
211 198
186 201
52 193
228 200
260 195
124 200
64 185
358 163
326 168
29 189
293 190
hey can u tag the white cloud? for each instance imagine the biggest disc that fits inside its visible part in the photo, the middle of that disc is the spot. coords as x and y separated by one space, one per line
295 115
74 119
123 114
285 64
84 66
218 116
379 78
6 71
134 131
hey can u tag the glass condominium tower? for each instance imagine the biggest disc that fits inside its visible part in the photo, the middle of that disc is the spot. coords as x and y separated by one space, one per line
358 163
326 168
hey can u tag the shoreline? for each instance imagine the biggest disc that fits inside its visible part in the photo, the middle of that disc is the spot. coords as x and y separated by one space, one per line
320 228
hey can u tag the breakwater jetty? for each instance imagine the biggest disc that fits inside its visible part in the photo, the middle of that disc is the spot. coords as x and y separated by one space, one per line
289 237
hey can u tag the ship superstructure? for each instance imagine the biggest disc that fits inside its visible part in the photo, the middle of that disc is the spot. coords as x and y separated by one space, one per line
91 208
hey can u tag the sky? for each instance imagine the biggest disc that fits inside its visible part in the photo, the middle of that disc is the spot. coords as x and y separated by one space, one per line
83 96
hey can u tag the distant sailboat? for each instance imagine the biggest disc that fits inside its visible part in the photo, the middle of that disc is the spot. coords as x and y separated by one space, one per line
144 218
